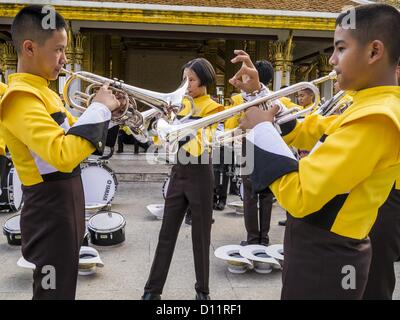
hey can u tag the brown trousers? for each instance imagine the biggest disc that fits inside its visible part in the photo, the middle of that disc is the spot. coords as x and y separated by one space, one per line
385 241
52 230
191 186
257 213
317 263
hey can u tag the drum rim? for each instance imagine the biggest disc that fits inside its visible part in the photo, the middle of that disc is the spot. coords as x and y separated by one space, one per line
108 169
9 231
104 231
10 191
101 165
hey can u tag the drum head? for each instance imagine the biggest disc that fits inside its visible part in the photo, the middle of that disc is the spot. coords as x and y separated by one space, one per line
165 187
16 199
107 221
12 225
99 184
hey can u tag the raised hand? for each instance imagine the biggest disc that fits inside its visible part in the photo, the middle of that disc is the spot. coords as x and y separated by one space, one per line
246 78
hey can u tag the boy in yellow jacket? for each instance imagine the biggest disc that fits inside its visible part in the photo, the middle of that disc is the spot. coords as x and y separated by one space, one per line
334 194
47 144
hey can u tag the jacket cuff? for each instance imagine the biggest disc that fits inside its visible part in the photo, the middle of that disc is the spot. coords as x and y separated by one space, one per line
92 125
272 157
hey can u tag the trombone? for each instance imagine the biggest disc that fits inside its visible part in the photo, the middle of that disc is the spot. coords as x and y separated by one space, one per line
172 134
166 104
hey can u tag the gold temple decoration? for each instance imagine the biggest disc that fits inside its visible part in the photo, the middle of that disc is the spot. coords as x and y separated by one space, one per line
324 67
9 57
79 40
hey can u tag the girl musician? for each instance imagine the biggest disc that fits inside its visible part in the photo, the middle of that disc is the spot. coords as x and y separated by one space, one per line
191 186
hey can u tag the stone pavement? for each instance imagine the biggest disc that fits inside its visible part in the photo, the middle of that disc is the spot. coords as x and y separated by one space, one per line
126 266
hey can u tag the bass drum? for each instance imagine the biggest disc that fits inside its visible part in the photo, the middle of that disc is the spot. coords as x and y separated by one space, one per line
12 230
165 187
11 192
107 228
99 183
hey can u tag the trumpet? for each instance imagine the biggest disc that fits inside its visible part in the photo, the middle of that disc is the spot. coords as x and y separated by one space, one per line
167 104
146 130
172 134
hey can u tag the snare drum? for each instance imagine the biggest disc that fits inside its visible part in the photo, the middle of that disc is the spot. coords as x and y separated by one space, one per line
11 192
12 230
99 183
107 228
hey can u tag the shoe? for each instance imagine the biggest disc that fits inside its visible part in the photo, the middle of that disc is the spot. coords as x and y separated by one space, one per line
282 223
188 220
212 221
215 204
151 296
265 242
244 243
202 296
120 150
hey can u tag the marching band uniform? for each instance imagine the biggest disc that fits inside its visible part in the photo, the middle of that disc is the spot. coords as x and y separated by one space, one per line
47 144
385 241
332 195
191 186
257 207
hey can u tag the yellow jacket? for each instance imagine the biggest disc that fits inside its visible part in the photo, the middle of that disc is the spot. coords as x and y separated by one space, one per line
350 171
34 123
204 106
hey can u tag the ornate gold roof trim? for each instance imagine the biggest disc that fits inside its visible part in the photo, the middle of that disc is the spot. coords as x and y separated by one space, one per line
184 18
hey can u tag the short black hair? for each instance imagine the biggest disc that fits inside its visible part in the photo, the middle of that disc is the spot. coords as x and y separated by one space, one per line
376 22
308 90
203 69
265 71
27 24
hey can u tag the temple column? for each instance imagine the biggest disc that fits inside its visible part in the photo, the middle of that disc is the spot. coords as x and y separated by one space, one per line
324 69
9 64
281 53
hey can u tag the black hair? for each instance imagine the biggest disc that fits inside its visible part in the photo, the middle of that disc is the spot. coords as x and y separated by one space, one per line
308 90
203 69
265 71
376 22
31 23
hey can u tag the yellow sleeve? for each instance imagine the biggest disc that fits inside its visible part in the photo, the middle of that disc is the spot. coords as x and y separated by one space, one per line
233 122
25 117
3 88
288 103
196 145
70 117
347 157
307 133
397 185
2 147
